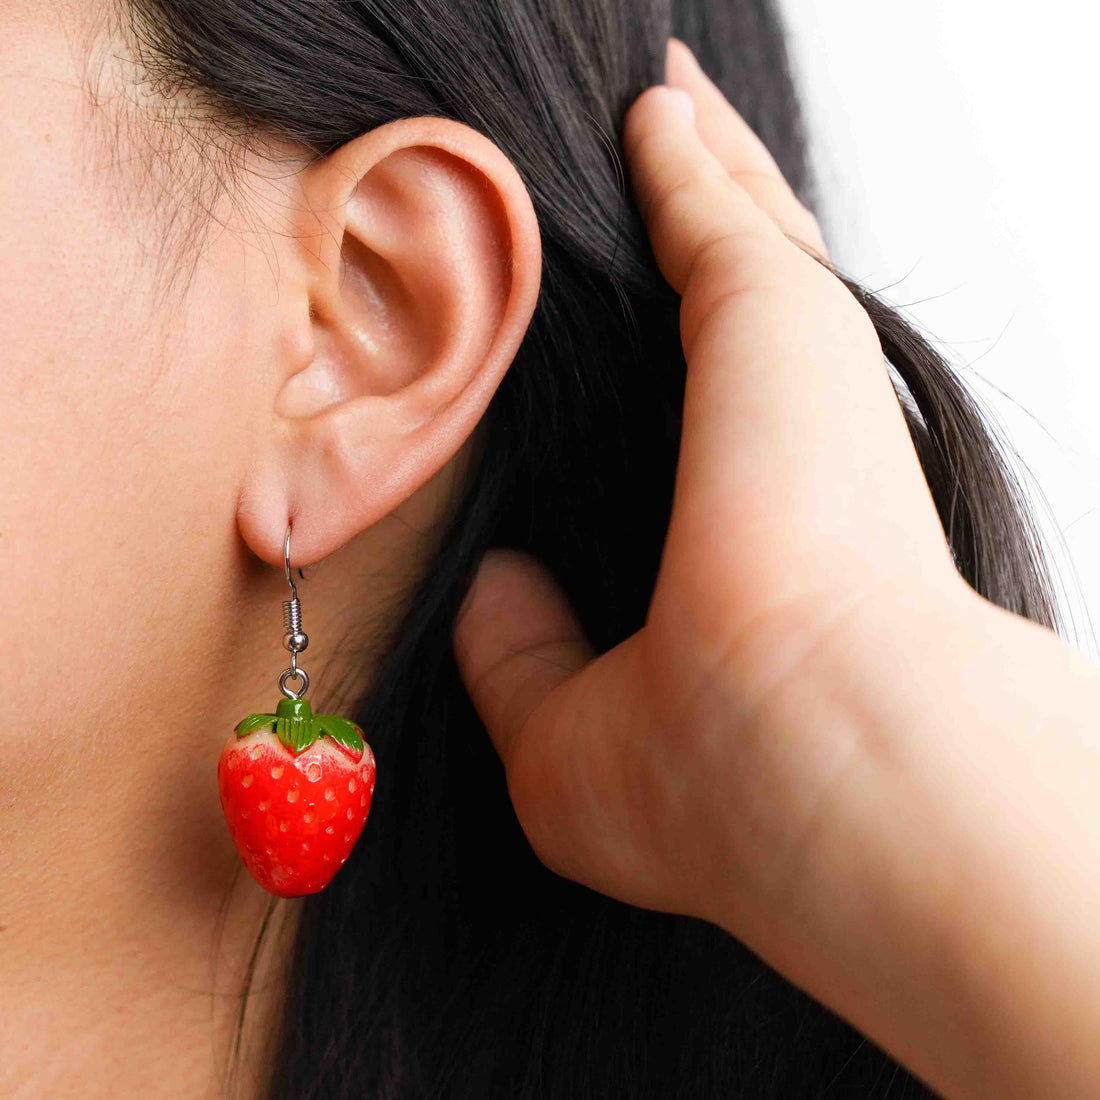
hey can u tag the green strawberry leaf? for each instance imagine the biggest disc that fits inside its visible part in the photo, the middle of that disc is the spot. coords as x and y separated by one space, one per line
252 723
340 730
294 724
295 732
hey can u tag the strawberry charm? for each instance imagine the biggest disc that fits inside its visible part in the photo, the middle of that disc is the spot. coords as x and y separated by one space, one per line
296 790
295 786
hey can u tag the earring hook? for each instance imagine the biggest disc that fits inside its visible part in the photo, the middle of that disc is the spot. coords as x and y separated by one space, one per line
295 639
286 563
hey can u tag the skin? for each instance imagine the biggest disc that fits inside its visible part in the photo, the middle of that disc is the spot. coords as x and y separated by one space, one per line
821 740
168 416
918 850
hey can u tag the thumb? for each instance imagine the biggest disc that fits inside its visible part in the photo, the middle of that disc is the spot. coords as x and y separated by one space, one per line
516 640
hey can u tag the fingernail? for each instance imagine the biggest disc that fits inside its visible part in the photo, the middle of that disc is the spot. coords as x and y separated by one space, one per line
683 102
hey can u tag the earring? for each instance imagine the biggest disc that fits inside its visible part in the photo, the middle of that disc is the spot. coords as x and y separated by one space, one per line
295 786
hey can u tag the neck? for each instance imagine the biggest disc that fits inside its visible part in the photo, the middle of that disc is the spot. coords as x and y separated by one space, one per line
126 918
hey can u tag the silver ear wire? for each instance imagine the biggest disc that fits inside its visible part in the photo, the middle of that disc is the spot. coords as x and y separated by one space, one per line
295 638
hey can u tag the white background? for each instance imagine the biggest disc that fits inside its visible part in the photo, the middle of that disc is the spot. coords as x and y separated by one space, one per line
954 147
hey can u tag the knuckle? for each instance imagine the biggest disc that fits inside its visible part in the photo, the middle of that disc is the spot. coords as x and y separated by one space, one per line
730 266
727 270
730 248
731 260
714 267
695 184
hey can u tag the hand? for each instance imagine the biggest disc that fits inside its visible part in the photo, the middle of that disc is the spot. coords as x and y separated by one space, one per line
756 755
799 500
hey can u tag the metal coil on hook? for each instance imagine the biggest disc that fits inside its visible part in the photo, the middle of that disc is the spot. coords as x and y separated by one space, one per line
295 638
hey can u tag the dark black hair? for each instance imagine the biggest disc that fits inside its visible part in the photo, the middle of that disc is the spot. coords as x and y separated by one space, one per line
445 960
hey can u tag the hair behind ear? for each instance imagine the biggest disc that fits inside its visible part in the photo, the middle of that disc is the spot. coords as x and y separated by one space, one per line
983 508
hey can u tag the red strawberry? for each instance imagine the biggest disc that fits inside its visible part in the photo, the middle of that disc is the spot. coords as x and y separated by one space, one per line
296 790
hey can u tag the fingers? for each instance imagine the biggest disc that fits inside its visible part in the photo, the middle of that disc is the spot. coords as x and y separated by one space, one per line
743 155
516 640
711 239
685 195
791 427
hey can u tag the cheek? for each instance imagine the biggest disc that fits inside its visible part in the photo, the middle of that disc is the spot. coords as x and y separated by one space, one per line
120 447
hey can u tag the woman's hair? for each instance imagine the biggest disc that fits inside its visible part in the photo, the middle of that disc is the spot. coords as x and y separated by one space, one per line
445 960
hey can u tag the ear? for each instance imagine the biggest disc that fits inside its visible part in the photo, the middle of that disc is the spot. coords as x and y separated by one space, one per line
413 274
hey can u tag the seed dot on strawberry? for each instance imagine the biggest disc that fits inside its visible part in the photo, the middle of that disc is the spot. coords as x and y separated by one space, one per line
294 850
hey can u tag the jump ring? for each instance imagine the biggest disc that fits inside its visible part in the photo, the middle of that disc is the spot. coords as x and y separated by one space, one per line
294 674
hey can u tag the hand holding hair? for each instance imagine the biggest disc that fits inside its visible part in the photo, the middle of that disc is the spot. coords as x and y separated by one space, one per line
822 739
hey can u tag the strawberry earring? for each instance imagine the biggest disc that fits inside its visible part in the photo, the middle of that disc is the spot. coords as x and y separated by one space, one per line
295 786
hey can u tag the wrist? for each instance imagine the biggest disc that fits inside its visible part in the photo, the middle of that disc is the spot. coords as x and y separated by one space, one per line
932 891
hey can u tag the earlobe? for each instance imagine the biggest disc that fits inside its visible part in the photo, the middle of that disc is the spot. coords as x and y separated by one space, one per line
419 256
